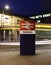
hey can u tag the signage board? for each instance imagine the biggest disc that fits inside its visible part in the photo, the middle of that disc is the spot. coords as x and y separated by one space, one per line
27 27
27 37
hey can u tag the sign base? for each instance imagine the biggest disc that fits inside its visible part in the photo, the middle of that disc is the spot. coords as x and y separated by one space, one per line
27 44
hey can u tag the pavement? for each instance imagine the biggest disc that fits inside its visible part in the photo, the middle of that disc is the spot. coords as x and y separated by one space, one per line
42 57
10 55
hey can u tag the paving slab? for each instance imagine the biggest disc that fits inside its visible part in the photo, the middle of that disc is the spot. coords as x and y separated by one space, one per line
42 57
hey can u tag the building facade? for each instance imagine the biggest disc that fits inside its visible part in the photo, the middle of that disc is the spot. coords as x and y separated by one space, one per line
9 27
43 25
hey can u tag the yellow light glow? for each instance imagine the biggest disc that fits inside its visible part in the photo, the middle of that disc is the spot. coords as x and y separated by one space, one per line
43 25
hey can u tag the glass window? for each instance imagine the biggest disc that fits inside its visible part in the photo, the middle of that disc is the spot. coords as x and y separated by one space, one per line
18 21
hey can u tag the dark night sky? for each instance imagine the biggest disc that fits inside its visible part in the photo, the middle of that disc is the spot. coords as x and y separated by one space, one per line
27 7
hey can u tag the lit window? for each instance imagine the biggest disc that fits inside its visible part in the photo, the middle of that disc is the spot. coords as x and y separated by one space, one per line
18 21
39 16
32 17
6 21
46 15
38 21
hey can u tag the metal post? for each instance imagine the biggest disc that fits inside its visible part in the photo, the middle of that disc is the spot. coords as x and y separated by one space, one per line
4 35
3 24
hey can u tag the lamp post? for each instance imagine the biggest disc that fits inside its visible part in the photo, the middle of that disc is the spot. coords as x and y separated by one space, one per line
5 8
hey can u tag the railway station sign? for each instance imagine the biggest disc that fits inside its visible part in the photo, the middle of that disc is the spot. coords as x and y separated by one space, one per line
27 37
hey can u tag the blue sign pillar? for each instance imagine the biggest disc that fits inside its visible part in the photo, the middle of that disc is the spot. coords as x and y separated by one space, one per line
27 38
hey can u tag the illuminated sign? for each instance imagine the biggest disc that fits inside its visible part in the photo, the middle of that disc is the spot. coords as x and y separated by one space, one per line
27 27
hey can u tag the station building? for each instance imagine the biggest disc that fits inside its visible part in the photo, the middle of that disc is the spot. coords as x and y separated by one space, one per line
43 25
9 26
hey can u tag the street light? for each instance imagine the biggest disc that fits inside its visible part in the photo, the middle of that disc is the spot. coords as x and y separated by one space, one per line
5 8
